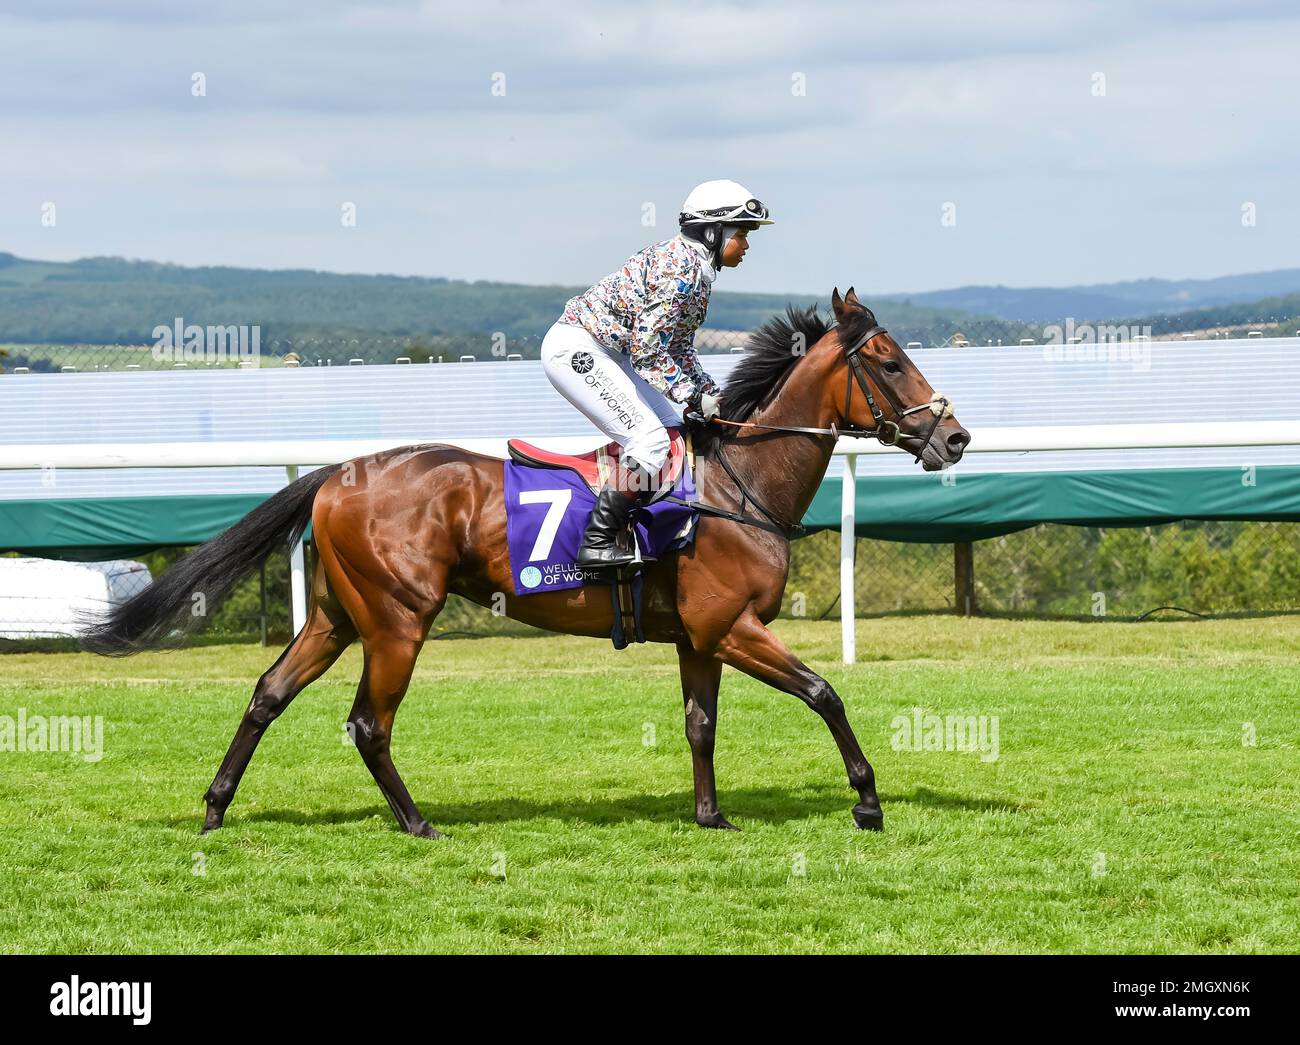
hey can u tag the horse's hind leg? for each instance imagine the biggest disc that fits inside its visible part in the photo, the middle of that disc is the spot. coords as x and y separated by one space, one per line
387 674
327 633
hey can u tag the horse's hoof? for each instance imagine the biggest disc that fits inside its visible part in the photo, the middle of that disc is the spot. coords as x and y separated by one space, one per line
427 831
868 819
717 821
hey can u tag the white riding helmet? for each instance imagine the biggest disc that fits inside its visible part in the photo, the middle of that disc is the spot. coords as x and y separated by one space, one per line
723 201
715 210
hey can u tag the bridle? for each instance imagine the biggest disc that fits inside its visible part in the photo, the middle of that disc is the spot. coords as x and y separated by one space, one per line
938 405
885 431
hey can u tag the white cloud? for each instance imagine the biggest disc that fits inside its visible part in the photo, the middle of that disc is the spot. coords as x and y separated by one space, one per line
609 106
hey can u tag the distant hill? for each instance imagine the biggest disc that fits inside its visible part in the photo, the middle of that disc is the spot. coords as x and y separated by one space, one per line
48 308
1107 300
1272 317
112 301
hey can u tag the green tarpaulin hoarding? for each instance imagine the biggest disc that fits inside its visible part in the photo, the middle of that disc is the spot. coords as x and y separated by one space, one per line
934 508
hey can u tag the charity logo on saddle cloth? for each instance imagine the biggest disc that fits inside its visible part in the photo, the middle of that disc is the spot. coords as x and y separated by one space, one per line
546 512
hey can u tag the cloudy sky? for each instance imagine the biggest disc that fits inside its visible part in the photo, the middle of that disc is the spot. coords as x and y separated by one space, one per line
1077 142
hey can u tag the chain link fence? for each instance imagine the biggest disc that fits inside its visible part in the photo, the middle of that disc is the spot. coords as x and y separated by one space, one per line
1207 568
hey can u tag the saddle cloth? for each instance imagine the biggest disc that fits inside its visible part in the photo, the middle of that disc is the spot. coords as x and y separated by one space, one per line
548 505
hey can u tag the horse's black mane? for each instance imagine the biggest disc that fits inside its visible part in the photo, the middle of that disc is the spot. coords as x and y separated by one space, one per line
771 353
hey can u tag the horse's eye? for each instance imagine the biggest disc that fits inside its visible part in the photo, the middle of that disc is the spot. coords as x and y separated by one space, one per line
892 367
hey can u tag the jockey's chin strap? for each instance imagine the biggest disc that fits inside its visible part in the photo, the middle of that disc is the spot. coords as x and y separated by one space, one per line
886 432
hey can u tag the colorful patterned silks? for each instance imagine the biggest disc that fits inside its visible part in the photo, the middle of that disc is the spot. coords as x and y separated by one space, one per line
650 309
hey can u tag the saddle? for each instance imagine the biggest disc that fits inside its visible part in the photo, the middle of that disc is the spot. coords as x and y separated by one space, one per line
595 465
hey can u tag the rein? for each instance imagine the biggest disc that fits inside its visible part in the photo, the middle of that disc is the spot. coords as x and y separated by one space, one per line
938 405
775 525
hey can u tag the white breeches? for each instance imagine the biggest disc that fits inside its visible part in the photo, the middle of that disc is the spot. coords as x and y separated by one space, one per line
616 399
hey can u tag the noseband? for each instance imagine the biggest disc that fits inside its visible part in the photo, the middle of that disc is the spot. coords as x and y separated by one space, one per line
885 431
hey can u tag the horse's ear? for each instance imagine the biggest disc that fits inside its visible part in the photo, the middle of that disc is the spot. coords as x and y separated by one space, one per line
851 299
837 303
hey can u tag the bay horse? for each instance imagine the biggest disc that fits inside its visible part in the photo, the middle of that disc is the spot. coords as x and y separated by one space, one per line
397 532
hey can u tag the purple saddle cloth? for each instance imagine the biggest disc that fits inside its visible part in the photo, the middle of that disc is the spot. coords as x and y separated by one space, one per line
547 511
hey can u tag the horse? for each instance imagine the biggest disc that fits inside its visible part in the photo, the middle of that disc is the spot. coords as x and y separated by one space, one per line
397 532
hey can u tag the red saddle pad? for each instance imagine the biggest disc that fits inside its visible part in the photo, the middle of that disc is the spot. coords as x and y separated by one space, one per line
595 465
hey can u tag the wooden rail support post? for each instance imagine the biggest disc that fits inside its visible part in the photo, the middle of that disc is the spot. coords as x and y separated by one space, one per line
963 563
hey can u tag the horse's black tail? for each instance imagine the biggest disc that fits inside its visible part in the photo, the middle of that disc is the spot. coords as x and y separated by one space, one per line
180 601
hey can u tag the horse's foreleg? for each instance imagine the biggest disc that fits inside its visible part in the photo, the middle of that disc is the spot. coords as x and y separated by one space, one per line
756 651
701 674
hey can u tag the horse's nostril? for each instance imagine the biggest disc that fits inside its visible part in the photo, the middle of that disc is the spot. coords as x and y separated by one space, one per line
958 440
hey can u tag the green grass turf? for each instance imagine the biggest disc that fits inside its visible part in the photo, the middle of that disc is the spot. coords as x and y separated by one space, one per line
1124 813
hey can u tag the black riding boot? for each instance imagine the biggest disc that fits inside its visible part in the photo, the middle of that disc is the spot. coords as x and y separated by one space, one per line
607 541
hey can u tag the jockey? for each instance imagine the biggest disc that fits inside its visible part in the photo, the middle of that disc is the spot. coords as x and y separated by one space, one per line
623 352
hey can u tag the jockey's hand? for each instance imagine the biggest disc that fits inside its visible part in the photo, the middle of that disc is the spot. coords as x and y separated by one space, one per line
704 405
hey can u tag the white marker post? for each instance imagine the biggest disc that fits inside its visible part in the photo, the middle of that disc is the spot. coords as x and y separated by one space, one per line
297 574
848 540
